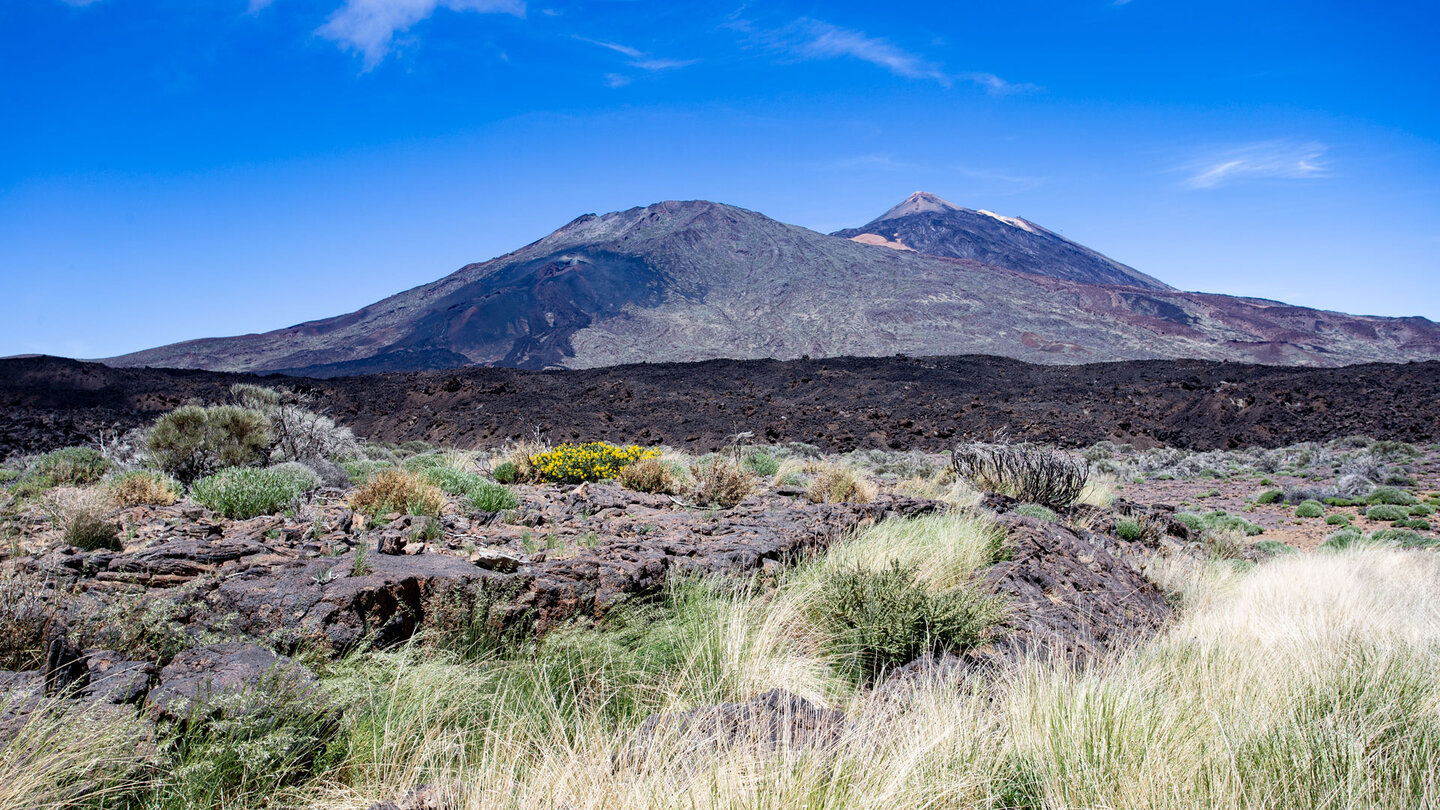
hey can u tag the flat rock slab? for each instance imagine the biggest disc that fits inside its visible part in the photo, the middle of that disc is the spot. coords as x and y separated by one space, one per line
197 680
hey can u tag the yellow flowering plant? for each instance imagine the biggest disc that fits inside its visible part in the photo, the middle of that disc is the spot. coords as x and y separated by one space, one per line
592 461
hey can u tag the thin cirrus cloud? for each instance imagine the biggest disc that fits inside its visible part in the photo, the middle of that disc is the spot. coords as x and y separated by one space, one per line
368 27
637 59
1286 160
808 39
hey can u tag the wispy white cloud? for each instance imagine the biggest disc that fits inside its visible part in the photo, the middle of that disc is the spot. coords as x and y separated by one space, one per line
633 53
638 59
369 26
814 39
809 38
1290 160
79 3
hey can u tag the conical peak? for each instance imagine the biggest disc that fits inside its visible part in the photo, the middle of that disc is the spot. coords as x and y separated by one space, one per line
921 202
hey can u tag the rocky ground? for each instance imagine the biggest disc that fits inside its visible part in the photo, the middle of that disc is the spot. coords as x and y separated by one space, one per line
837 404
194 606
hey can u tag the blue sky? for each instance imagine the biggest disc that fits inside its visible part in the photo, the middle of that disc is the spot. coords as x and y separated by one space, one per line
172 169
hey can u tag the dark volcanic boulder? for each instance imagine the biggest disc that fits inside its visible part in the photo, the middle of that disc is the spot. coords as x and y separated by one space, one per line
196 680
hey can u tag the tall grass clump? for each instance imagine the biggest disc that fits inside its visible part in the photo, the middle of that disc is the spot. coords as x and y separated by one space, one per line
720 481
394 490
239 493
82 518
1027 474
144 488
839 483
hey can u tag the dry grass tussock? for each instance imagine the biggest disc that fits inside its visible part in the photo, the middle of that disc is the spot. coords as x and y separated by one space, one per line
392 490
1309 682
839 483
82 517
142 488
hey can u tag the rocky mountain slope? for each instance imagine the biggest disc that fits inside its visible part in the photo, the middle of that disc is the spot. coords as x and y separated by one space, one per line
682 281
927 224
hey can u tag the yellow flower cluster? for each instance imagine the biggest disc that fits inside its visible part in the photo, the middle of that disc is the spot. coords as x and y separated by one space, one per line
592 461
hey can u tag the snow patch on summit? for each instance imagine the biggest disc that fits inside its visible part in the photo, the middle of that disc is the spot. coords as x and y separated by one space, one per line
1012 221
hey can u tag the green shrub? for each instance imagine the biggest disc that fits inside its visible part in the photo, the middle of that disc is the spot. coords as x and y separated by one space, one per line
1387 512
1413 523
1337 519
6 476
1340 502
191 442
1129 529
762 464
1191 521
877 620
31 486
1270 496
1035 510
71 466
1343 539
1275 548
448 479
1403 538
424 461
1310 509
490 497
1422 510
1224 521
506 472
360 470
239 493
247 747
1391 495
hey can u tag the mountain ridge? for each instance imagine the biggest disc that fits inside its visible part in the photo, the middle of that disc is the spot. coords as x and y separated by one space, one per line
694 280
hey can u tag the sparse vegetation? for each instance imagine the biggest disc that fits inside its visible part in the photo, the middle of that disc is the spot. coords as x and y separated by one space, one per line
239 493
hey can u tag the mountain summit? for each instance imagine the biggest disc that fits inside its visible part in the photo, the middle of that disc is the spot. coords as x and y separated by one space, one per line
921 202
696 280
928 224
